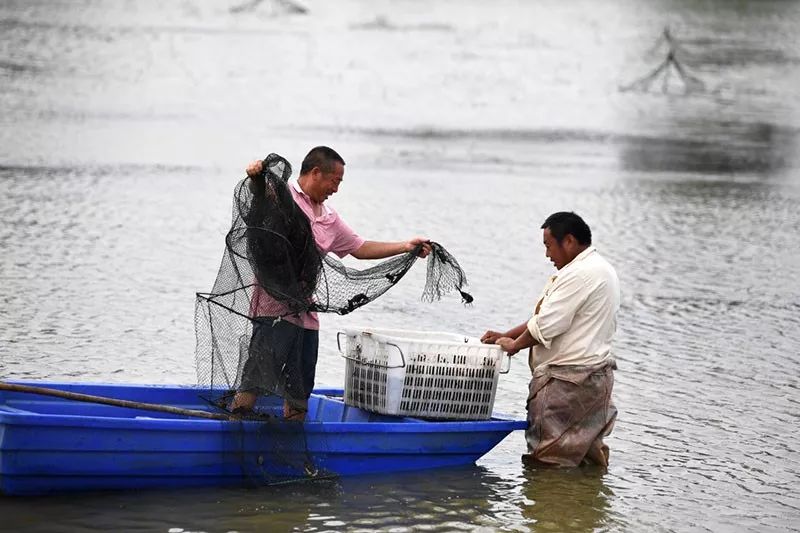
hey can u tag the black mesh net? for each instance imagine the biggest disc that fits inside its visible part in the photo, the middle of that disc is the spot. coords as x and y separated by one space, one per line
248 332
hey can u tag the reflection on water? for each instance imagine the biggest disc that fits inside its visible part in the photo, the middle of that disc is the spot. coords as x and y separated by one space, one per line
725 52
710 147
457 499
574 500
448 500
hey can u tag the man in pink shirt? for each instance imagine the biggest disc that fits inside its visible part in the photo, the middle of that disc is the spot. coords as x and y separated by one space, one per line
321 174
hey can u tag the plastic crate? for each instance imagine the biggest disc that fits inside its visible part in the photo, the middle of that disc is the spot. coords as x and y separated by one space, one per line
421 374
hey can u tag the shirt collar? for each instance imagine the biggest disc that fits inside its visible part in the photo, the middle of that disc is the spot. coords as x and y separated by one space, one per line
581 256
296 186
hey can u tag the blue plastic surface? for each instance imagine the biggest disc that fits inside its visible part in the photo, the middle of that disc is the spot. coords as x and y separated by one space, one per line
49 444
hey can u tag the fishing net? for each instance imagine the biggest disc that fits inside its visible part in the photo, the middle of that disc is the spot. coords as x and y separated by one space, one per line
674 60
249 327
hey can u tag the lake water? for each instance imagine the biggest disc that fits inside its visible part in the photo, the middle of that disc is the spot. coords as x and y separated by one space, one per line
126 124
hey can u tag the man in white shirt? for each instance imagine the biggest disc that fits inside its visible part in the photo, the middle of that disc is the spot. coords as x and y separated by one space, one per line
570 332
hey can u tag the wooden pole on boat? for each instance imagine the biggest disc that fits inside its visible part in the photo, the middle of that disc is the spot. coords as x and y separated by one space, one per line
113 401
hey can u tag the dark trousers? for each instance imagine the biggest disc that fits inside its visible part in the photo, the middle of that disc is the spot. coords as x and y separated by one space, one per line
281 359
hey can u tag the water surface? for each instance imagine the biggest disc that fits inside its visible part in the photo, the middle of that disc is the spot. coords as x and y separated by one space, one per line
126 125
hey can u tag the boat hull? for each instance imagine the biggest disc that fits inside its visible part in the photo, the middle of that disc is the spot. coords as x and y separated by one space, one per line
50 444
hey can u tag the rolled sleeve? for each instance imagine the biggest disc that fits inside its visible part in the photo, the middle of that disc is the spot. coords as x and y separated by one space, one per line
558 309
536 332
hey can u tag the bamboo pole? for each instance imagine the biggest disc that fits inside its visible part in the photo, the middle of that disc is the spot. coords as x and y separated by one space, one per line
113 401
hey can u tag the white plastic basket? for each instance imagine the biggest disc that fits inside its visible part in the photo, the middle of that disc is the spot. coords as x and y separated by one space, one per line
420 374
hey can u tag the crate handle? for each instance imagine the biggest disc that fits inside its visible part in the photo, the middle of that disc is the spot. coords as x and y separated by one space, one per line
508 368
339 345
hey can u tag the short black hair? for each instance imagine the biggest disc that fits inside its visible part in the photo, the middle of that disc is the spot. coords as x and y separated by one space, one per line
563 223
322 157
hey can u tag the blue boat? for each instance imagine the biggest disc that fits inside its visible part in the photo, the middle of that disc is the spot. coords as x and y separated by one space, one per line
50 444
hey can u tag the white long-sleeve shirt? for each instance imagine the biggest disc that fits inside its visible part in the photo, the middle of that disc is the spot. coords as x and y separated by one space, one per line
576 315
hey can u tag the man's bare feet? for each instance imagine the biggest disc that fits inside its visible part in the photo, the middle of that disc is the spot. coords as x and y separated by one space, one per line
295 414
243 402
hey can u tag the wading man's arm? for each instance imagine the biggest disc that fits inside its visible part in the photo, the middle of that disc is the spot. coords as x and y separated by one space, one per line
513 345
491 336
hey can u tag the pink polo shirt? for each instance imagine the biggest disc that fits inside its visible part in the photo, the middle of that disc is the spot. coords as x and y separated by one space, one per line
331 234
